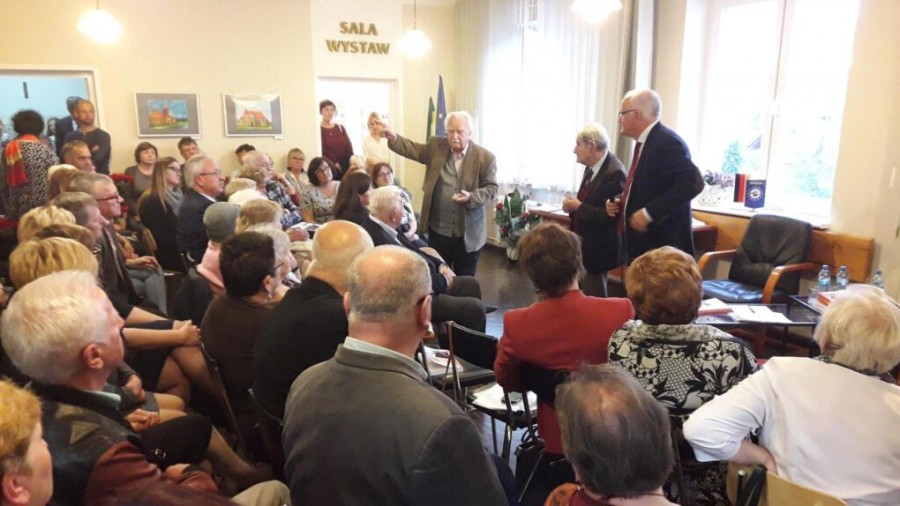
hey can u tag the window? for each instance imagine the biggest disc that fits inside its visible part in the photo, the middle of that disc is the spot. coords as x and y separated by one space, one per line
773 99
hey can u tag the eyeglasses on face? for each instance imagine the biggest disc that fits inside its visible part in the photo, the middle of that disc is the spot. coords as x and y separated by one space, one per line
114 196
626 111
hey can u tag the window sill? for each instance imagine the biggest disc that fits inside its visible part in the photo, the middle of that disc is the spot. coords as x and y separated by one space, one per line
818 222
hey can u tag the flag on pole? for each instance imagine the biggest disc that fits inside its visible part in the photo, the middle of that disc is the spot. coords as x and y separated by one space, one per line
439 128
429 130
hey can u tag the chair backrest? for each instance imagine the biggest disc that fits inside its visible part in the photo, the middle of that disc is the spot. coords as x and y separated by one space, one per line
771 241
543 381
222 394
474 347
149 241
192 298
780 491
271 426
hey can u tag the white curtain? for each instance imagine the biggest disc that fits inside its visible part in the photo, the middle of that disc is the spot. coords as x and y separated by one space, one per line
533 74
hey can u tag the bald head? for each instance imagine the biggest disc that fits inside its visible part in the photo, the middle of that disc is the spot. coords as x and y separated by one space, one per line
387 291
335 246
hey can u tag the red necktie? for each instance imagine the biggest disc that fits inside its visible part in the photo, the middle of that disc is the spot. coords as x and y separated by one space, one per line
585 183
620 227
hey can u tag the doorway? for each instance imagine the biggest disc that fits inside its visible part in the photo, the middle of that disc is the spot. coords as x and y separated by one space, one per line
354 100
44 91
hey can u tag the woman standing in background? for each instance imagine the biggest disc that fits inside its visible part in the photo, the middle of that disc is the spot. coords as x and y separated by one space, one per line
336 145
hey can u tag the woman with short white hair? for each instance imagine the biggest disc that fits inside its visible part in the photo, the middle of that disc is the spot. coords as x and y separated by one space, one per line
828 423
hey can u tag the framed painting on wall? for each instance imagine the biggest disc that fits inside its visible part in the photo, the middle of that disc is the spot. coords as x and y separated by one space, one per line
252 115
167 114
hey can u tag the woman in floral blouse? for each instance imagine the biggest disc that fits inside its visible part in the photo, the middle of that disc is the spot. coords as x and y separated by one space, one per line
317 201
682 364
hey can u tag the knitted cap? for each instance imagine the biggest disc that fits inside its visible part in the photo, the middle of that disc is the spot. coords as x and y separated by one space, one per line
219 220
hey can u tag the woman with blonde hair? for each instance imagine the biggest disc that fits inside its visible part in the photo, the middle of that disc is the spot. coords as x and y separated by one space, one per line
38 218
60 176
295 174
158 208
681 363
375 144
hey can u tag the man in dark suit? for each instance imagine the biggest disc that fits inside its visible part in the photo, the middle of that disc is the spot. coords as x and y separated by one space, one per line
66 125
206 182
456 298
460 180
367 418
661 182
604 178
309 324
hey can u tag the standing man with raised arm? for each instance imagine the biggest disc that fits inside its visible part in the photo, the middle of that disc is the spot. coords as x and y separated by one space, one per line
604 178
661 182
460 181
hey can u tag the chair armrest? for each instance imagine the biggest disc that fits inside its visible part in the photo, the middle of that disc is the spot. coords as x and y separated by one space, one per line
714 255
776 273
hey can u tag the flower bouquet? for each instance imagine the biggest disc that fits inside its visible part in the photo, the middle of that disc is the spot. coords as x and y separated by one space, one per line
512 219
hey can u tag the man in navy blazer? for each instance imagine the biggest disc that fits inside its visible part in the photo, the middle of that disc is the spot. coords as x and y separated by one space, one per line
67 124
206 182
604 179
662 181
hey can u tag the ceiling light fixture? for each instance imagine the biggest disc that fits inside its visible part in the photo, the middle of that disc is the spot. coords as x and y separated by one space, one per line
100 26
414 42
595 11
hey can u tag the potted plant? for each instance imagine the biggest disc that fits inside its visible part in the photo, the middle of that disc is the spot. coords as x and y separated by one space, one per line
513 221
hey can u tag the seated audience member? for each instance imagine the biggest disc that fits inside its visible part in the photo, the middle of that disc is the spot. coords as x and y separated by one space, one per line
24 164
383 175
564 329
158 209
188 149
60 177
295 174
352 199
252 271
283 255
26 470
828 423
682 364
309 324
84 346
456 298
241 197
219 220
357 163
96 450
241 152
131 279
317 201
275 186
78 155
145 158
163 494
165 351
377 424
39 218
617 438
205 182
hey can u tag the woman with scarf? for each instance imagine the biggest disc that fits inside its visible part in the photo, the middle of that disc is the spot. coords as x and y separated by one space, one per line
158 209
24 166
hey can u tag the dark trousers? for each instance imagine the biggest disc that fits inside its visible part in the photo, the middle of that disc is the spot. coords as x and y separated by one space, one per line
453 250
461 304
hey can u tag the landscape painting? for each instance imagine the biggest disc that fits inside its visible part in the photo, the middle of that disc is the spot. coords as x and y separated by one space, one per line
248 115
167 114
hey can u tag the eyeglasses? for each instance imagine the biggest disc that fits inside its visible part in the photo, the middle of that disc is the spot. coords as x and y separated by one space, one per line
275 270
114 196
422 298
323 168
176 170
626 111
217 173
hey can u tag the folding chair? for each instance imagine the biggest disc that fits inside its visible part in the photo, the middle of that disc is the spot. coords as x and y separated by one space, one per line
271 426
213 365
777 490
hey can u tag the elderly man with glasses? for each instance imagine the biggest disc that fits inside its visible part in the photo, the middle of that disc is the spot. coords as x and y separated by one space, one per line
206 182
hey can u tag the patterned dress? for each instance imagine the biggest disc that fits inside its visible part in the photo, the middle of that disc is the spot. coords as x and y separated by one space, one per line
19 199
683 367
322 206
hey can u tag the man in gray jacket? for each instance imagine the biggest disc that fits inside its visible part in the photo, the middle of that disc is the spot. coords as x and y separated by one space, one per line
365 427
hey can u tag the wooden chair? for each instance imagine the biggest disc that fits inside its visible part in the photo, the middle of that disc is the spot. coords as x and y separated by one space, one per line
780 491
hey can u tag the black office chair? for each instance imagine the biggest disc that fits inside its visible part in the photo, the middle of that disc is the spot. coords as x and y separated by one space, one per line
766 267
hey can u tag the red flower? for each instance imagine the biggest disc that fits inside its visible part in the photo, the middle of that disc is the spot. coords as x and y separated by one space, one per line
499 206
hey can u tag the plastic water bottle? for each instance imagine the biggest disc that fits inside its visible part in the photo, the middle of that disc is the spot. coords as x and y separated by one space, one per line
843 279
877 279
824 279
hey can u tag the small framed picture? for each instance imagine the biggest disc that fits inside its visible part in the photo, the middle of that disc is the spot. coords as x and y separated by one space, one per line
252 115
167 114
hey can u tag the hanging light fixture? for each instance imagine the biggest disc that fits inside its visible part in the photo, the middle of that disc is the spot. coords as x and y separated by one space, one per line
100 26
595 11
414 42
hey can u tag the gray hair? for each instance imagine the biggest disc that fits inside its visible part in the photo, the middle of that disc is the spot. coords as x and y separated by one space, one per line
385 283
594 133
861 329
615 434
384 198
647 102
280 240
237 184
76 203
86 182
460 114
255 158
50 321
194 166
